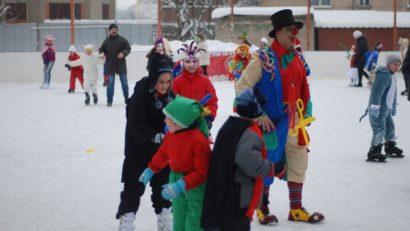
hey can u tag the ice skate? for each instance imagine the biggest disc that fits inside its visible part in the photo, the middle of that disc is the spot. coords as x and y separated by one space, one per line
95 98
165 220
375 154
392 150
303 215
127 222
264 216
87 99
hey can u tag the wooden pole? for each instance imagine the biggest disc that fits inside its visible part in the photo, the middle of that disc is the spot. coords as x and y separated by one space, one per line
394 24
232 20
72 22
159 27
308 26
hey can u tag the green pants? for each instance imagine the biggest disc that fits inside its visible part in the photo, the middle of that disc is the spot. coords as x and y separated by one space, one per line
187 208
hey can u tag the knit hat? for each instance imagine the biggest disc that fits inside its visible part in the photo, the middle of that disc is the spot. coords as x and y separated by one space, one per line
88 47
72 49
185 112
392 59
357 34
247 104
49 37
113 25
158 65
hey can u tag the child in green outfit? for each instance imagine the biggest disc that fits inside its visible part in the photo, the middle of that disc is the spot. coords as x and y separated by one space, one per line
186 149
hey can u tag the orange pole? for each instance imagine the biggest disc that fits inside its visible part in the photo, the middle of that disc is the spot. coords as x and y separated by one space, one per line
231 5
394 24
72 22
308 26
159 27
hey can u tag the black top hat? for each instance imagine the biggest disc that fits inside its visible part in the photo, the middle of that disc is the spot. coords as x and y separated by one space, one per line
281 19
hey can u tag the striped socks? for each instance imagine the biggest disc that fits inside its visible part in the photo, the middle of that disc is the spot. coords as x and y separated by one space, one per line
295 194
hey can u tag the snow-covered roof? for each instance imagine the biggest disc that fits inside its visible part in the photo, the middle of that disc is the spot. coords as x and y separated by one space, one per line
359 18
225 11
101 21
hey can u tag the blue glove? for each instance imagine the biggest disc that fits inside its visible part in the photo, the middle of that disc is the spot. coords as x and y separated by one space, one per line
374 110
146 176
173 190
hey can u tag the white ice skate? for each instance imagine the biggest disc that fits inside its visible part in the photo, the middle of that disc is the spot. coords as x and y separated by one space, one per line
165 220
127 222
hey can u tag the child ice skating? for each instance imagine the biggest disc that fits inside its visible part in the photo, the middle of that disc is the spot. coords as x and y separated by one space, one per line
90 63
75 68
186 150
238 164
382 106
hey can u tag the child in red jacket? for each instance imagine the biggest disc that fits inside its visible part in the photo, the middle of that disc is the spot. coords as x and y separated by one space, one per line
186 149
192 83
75 68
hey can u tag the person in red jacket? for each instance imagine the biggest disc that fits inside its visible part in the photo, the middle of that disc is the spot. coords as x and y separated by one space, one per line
75 68
185 148
192 83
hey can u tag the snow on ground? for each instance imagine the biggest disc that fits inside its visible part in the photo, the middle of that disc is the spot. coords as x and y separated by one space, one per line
49 182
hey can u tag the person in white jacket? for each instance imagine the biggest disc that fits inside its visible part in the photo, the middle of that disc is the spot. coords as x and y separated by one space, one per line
89 61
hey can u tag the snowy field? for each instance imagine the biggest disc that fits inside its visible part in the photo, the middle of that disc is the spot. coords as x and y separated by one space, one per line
60 162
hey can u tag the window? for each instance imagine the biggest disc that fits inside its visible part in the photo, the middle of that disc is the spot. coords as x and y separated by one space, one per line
17 12
105 11
321 3
364 3
62 11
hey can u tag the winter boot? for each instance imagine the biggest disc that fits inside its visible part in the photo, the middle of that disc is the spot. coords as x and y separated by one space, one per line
109 104
87 99
95 98
392 150
165 220
405 92
375 153
127 222
70 90
303 215
264 216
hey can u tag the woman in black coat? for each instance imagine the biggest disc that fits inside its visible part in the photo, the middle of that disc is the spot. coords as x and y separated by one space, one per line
143 136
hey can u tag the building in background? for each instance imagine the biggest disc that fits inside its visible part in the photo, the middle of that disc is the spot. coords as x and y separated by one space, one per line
37 11
332 21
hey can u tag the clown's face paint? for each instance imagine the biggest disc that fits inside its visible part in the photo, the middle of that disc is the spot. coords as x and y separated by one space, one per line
191 64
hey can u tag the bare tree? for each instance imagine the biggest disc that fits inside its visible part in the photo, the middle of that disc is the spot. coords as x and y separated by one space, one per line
6 11
190 17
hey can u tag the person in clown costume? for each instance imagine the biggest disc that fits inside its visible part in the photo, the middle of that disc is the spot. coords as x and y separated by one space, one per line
279 72
185 148
237 63
193 84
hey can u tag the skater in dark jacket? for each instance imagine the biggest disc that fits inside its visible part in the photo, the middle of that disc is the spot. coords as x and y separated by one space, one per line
159 52
115 48
381 107
143 136
360 56
237 167
405 69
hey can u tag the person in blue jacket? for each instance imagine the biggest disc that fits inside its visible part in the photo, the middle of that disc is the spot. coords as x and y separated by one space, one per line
371 61
381 107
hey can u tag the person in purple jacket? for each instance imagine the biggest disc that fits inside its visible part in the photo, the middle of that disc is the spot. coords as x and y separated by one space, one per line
48 53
